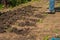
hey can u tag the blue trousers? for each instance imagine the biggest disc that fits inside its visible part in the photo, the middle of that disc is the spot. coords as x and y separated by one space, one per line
51 5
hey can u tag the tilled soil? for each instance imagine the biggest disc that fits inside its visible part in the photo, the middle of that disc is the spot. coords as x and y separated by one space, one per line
29 23
20 22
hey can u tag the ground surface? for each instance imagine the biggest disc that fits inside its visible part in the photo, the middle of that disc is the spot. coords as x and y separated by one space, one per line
29 23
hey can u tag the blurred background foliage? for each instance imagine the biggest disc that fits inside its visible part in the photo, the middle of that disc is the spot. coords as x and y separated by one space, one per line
13 3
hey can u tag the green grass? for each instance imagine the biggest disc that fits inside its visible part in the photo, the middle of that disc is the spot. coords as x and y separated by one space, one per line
46 37
1 6
14 3
41 21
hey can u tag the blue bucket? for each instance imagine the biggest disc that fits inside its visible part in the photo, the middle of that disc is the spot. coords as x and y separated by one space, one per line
55 38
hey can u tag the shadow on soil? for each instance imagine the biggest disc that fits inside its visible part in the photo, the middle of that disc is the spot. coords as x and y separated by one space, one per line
57 9
26 14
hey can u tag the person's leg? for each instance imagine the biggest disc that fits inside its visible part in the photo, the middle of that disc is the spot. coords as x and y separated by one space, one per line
51 5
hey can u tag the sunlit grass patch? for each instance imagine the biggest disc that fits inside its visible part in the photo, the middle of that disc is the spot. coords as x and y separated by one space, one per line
40 21
46 37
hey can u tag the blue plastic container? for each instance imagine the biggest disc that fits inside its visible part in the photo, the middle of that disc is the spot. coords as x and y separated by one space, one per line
51 5
55 38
